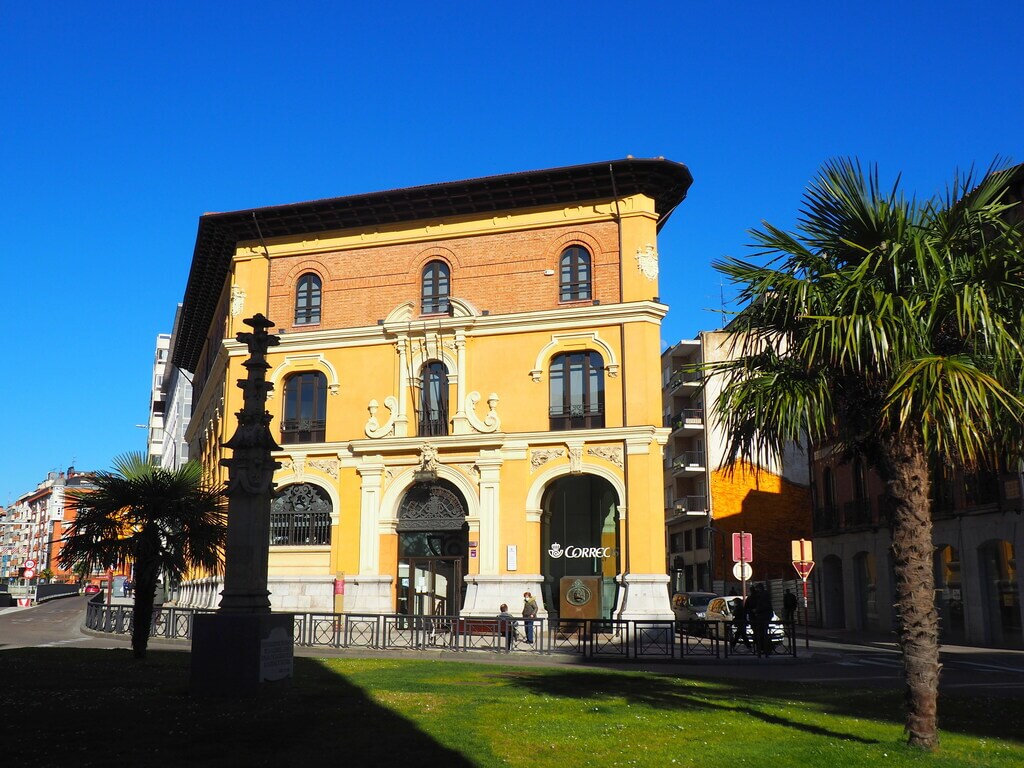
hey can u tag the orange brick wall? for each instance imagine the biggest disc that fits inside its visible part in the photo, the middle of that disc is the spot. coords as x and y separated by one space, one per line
771 508
502 273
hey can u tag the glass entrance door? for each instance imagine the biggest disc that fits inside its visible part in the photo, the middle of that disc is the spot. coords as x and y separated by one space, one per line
430 586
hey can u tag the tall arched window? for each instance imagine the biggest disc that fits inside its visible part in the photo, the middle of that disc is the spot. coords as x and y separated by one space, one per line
577 391
574 274
434 399
436 288
305 408
307 300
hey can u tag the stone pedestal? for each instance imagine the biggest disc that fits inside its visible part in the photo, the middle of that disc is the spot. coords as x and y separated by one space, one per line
241 654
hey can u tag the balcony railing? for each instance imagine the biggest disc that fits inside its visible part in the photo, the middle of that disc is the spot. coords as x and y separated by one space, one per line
688 504
684 376
857 513
303 430
688 459
687 417
576 417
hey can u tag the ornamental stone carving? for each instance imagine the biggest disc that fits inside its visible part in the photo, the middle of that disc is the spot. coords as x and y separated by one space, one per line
610 453
542 456
327 466
375 429
237 300
647 261
491 422
576 459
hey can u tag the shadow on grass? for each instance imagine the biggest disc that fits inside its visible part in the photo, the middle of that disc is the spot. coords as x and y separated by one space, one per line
666 694
978 716
99 708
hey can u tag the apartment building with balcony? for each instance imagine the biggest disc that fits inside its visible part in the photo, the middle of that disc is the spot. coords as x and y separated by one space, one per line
705 503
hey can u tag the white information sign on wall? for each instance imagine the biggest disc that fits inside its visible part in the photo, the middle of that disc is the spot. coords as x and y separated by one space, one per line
512 557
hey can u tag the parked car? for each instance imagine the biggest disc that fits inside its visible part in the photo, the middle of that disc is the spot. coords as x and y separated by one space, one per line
91 589
691 607
720 609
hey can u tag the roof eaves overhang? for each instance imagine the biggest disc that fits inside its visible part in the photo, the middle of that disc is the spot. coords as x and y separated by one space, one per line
665 181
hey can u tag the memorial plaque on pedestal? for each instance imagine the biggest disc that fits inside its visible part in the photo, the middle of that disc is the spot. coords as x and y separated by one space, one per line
241 655
579 597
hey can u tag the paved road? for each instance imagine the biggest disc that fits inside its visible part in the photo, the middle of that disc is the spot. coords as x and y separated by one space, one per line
839 660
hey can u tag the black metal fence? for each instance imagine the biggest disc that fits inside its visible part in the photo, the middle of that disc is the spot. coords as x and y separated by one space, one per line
590 638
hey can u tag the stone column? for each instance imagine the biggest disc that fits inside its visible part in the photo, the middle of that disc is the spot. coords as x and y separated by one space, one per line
243 645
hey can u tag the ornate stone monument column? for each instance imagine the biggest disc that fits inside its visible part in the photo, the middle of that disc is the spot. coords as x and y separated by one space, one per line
243 644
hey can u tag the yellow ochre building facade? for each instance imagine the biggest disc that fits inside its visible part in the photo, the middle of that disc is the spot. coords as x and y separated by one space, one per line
467 390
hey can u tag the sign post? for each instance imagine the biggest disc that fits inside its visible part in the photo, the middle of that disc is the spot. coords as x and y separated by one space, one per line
743 554
803 562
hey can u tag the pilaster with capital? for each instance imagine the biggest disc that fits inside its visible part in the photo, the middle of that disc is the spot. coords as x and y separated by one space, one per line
489 463
371 475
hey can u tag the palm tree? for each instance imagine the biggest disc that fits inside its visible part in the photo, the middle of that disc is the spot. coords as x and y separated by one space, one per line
160 520
890 330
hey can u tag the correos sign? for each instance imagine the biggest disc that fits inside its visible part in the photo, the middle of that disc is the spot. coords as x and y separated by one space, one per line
574 553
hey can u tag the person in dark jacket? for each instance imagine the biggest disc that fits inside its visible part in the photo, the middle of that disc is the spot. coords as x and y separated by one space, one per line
506 626
739 623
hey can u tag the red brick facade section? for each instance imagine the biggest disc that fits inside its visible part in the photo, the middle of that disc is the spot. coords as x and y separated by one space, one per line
501 273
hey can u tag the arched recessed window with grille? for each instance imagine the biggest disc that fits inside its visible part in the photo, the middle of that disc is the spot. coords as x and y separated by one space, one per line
574 274
305 408
436 288
307 300
300 515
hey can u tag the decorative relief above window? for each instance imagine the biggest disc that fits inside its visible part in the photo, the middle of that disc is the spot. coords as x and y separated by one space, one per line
610 453
542 456
327 466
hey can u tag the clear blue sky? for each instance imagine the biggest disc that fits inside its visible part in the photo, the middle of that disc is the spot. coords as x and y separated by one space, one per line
123 122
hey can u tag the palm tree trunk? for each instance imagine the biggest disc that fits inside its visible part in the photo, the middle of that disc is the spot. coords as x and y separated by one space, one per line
142 612
908 490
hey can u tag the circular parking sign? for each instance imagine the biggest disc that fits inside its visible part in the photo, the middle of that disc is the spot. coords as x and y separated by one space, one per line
742 571
30 563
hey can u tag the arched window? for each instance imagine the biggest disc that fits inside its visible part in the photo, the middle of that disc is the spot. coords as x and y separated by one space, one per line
305 408
577 391
307 300
434 399
300 515
574 274
436 288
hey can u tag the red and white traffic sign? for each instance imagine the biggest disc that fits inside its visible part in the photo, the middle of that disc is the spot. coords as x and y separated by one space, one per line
30 563
30 573
743 547
804 568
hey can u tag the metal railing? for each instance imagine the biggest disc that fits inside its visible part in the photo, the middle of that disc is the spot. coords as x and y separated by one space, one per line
590 638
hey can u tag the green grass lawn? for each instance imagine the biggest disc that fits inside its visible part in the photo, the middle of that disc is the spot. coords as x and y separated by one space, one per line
66 707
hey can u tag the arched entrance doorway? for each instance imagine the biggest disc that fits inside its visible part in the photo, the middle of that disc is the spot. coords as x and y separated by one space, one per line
865 583
433 541
1000 594
580 543
833 604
